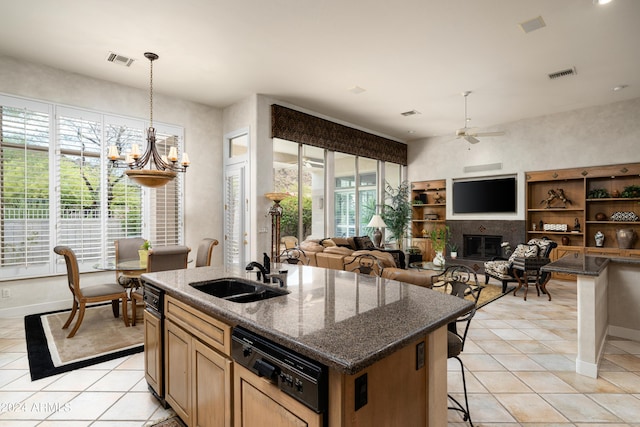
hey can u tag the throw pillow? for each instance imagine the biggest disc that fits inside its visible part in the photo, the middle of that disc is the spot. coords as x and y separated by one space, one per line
327 243
363 242
523 251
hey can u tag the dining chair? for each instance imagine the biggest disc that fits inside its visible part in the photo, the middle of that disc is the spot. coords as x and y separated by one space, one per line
89 294
364 264
205 250
161 258
127 249
462 282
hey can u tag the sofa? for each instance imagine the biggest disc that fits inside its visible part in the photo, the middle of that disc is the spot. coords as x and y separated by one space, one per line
331 252
335 253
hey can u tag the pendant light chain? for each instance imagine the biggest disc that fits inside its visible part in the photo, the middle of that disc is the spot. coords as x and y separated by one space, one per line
151 93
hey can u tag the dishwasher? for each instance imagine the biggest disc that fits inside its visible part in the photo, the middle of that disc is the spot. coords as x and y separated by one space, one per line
274 369
153 298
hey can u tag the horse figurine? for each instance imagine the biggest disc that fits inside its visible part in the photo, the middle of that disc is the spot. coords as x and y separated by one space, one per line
551 196
563 198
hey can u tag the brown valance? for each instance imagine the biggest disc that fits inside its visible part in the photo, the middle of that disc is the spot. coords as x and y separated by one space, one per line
304 128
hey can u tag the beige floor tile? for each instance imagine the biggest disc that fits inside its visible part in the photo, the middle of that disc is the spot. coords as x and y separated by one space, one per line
518 362
586 384
629 362
555 362
7 376
133 406
625 406
577 407
496 347
454 383
511 334
530 407
64 423
87 406
78 380
24 383
542 334
632 347
478 362
41 405
502 382
545 382
117 381
487 411
530 346
627 381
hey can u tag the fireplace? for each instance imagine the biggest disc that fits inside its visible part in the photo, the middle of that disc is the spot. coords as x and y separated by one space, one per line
481 247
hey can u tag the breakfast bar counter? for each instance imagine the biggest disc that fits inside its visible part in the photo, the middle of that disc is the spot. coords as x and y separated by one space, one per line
608 294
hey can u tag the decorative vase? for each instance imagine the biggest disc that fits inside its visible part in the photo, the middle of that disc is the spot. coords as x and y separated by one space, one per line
454 254
565 241
626 238
439 260
144 257
599 239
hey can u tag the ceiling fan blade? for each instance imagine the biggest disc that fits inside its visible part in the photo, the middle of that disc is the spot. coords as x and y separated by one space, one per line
487 134
471 139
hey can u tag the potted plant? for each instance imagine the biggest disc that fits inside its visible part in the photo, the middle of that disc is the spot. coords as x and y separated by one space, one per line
439 238
143 253
453 249
397 210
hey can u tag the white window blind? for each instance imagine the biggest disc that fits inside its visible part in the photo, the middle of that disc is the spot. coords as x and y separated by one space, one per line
58 188
24 174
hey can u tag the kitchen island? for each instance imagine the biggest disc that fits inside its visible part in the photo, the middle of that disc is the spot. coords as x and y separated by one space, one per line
608 300
384 344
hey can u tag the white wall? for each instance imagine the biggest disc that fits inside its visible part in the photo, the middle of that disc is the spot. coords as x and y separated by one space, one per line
608 134
203 141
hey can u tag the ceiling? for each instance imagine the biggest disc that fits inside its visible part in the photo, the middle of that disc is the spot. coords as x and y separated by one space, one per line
407 54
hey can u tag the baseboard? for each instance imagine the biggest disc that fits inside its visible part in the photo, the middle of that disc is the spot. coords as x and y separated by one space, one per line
25 310
626 333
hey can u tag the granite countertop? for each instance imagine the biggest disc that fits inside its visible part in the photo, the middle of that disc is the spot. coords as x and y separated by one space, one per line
586 265
344 320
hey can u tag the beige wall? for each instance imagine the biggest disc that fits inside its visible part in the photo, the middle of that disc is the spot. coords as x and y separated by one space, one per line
203 141
607 134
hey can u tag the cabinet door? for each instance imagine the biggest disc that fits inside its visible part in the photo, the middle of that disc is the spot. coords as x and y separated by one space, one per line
178 373
560 252
153 352
259 403
211 387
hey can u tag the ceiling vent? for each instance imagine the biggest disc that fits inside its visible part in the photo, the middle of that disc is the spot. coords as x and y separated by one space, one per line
410 113
120 59
532 24
564 73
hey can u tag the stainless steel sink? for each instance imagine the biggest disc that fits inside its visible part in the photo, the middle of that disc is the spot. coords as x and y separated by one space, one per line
238 290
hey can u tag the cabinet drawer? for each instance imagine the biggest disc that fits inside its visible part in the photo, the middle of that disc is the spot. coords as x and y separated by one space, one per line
209 330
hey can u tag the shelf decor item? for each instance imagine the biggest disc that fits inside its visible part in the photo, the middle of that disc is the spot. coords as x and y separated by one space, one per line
598 193
599 239
624 216
631 191
439 239
601 216
626 237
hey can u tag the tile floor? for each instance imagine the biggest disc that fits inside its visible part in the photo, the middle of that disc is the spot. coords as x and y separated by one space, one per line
520 357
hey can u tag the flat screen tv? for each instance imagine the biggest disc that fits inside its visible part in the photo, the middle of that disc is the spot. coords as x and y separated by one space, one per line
491 195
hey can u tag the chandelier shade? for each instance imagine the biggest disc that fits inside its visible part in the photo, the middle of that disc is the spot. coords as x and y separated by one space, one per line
150 169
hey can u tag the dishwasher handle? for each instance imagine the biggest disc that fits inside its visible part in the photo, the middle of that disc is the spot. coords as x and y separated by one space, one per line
266 369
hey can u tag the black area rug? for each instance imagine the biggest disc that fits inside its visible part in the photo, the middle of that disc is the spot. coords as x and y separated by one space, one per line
41 364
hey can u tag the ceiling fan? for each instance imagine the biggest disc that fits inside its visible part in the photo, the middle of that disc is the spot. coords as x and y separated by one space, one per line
469 134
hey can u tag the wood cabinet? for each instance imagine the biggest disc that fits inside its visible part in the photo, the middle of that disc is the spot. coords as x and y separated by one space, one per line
429 210
584 200
258 402
198 366
153 352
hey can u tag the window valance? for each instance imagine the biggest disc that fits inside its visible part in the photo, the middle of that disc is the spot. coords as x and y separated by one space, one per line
304 128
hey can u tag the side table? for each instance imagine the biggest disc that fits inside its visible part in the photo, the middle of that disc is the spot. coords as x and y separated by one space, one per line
530 267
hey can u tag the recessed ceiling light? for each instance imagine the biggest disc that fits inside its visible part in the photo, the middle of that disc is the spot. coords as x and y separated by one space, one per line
356 90
601 2
411 113
620 87
411 131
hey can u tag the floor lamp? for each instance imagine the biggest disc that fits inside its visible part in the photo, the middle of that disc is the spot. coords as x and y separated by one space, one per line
377 222
276 213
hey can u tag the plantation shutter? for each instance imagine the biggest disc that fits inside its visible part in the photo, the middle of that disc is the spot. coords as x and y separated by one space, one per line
124 197
166 214
79 180
24 179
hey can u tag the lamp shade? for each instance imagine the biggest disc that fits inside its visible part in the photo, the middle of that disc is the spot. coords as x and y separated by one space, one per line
377 221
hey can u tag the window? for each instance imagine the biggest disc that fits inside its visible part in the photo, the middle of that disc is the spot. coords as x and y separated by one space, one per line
58 188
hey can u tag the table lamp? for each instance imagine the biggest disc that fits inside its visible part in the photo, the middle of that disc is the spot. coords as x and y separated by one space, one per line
377 222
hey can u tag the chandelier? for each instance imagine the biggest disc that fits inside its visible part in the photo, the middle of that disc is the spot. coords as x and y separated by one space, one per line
150 169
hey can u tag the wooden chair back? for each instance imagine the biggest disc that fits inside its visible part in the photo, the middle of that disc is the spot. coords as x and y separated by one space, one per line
163 258
205 250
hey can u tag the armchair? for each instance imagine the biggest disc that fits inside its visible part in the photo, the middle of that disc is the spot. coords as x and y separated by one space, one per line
502 269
